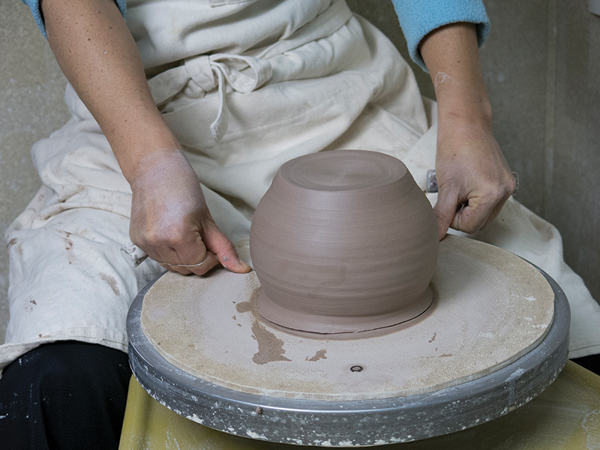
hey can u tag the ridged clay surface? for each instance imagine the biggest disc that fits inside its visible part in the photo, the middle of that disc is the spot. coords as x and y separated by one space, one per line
343 241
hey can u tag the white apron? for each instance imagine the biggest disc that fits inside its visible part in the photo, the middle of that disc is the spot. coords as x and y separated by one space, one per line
283 79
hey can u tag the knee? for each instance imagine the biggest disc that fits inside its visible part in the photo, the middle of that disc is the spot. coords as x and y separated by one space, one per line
60 374
66 366
63 387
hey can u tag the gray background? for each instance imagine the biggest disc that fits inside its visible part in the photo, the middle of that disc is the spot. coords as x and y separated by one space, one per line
541 64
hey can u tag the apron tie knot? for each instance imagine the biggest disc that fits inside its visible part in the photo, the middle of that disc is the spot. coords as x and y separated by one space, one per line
201 74
243 73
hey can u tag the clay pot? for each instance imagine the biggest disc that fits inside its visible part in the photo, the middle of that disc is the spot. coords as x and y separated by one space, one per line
343 241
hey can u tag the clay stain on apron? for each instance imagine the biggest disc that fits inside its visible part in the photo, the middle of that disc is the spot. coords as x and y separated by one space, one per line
19 247
69 247
30 304
110 280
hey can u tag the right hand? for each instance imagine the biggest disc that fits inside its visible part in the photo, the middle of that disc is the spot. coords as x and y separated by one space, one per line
169 217
170 220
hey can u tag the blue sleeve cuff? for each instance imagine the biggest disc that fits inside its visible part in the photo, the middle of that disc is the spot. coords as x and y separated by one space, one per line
34 5
419 18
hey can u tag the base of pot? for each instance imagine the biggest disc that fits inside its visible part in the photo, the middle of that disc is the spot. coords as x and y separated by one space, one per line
306 322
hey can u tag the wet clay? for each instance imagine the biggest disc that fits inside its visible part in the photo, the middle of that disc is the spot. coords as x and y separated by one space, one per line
343 242
319 355
270 347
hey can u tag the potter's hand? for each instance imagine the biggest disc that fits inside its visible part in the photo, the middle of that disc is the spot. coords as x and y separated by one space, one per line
169 217
170 220
473 177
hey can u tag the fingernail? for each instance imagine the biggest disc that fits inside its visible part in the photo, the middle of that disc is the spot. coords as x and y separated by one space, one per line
243 265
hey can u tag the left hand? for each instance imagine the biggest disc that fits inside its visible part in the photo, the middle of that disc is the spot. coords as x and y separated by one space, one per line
474 180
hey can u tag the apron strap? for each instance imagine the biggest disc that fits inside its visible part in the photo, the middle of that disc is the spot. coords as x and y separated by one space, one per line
243 81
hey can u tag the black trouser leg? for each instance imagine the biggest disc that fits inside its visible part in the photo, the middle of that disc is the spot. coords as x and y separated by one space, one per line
591 363
64 395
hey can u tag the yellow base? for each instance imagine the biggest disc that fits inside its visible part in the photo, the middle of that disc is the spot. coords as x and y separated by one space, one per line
565 416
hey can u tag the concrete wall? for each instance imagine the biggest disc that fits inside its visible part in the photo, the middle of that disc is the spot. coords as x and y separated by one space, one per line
31 107
572 186
540 64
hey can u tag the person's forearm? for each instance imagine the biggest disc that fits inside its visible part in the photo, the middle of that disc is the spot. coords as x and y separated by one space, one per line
98 55
452 58
474 179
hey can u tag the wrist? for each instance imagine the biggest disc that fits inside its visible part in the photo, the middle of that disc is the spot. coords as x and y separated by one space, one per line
140 145
163 167
464 109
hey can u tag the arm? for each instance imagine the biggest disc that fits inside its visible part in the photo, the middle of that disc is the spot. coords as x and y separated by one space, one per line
473 177
169 217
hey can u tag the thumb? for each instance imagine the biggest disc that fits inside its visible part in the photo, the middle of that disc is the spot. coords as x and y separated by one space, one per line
445 210
217 243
